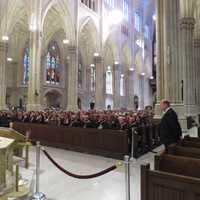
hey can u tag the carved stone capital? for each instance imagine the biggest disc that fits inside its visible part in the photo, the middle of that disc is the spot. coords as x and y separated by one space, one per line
98 59
196 43
72 49
187 23
3 46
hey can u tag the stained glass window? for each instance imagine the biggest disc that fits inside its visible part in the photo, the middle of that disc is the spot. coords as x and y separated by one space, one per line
109 81
53 64
80 75
110 3
122 85
137 22
93 78
146 31
125 9
80 71
26 63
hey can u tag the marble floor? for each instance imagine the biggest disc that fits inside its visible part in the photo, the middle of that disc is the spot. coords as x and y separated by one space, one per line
58 186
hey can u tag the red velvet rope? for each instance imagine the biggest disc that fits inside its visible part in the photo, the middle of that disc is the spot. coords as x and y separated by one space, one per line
79 176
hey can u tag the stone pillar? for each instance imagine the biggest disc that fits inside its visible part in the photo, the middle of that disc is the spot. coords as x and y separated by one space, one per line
169 77
72 85
35 72
131 105
160 50
187 29
3 57
196 43
116 70
99 90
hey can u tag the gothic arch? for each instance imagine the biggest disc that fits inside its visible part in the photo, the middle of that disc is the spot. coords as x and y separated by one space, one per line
110 52
58 10
88 41
126 58
138 62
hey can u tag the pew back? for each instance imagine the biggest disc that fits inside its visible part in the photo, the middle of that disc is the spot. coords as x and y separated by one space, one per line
110 143
188 143
159 185
178 165
184 151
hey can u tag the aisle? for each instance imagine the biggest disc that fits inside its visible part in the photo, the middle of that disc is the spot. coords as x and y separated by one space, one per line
58 186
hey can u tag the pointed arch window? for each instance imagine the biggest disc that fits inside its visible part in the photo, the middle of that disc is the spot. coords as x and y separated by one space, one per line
53 64
80 72
122 85
26 65
93 77
109 81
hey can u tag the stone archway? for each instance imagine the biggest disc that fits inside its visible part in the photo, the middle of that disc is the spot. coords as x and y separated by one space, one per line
53 99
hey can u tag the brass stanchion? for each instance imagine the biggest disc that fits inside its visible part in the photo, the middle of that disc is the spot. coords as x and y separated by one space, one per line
38 195
127 177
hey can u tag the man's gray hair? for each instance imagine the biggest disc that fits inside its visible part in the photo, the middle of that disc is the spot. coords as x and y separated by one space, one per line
166 102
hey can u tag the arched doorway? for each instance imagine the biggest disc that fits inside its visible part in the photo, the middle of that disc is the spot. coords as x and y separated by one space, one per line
53 99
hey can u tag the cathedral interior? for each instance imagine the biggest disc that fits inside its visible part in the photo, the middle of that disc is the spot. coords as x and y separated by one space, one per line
99 99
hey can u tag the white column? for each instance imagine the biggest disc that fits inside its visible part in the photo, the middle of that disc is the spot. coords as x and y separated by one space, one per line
35 72
169 70
187 28
99 90
197 70
116 70
131 105
3 57
72 85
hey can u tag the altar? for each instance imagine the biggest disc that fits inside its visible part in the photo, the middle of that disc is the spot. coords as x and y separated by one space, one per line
6 163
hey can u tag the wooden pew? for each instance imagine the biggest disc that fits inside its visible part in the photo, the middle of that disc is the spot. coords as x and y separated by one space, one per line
193 139
174 178
178 165
189 143
109 143
160 185
184 151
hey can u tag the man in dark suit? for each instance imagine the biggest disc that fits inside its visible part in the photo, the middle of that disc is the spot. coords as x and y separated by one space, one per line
170 129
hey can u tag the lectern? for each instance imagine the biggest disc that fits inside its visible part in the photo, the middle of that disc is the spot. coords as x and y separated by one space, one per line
6 163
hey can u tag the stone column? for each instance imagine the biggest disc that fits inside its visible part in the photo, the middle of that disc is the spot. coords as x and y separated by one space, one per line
169 75
196 43
116 77
187 28
160 50
35 72
3 57
131 105
99 90
72 85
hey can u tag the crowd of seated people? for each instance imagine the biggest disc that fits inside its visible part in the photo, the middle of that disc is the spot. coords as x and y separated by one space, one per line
107 119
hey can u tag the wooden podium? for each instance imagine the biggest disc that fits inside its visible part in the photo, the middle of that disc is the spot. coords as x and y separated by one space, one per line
6 162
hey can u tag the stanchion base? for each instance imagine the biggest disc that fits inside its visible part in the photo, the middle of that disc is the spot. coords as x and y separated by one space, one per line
38 196
133 160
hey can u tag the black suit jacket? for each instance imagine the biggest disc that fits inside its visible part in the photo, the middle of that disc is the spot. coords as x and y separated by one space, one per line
170 129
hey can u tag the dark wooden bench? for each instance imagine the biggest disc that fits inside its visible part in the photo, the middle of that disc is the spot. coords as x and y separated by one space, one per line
193 139
178 165
189 143
184 151
109 143
174 178
160 185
